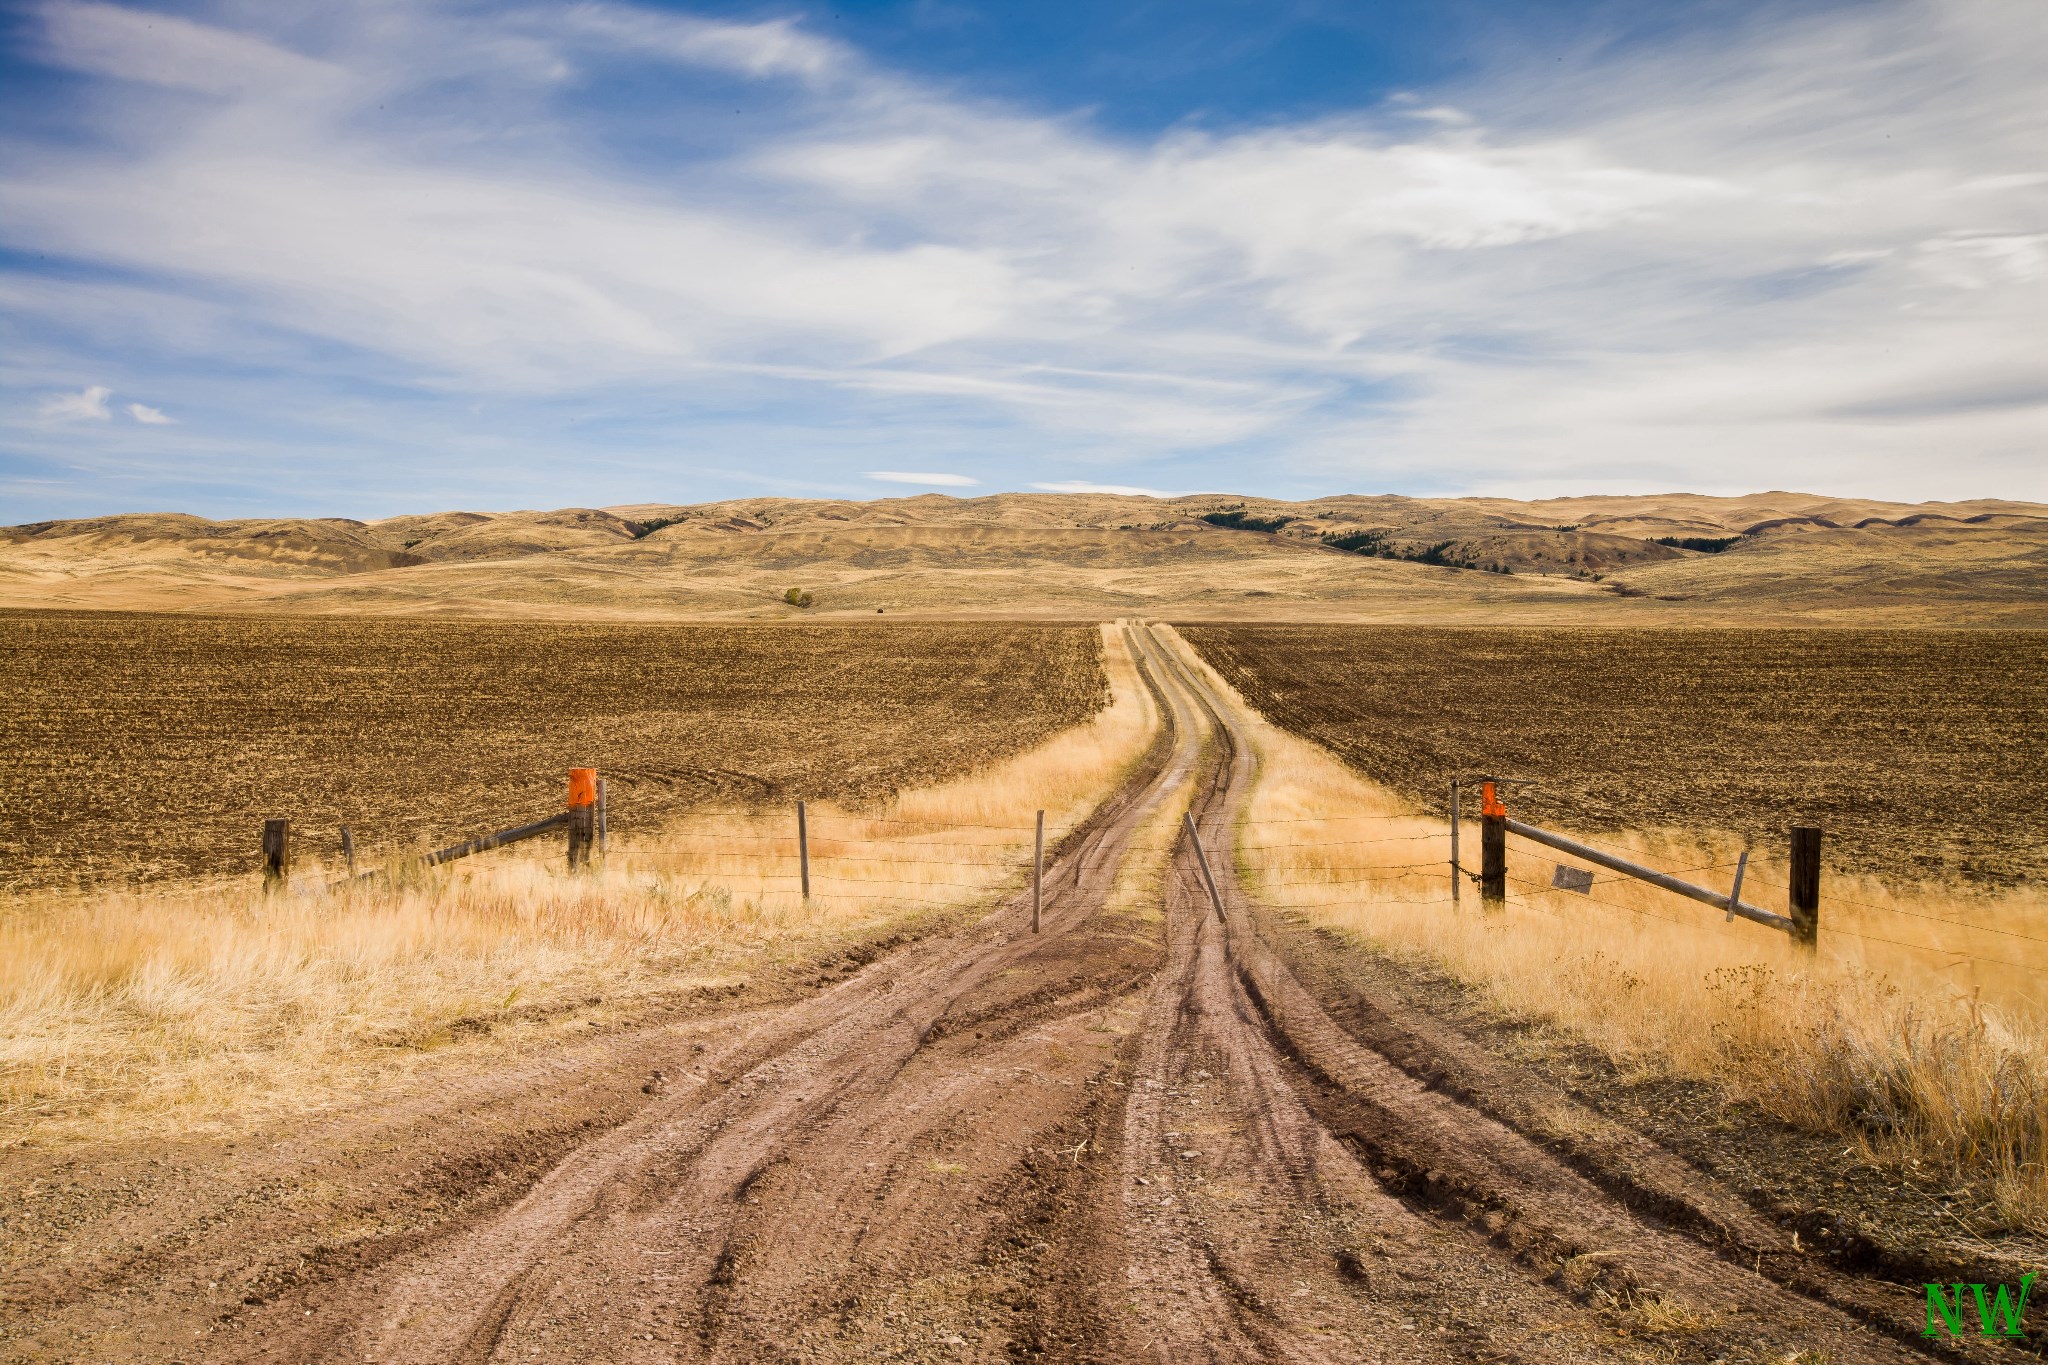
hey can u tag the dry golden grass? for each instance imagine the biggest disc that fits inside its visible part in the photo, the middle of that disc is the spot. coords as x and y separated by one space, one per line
215 1006
1888 1034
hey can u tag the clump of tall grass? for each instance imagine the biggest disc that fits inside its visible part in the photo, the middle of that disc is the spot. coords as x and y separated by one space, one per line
217 1005
1918 1029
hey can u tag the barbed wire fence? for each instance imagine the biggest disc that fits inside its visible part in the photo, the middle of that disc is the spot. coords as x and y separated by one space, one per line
898 859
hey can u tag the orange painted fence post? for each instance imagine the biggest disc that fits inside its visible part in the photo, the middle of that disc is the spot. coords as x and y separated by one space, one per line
1493 847
582 815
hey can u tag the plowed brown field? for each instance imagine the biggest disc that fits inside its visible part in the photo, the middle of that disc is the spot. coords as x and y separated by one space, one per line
1903 745
151 747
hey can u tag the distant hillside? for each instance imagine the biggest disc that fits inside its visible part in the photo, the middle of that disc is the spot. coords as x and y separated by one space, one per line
1220 556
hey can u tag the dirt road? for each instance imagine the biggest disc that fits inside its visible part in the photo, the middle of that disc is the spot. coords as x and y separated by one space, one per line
1126 1138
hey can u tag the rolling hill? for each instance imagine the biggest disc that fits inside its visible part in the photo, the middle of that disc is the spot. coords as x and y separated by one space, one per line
1622 559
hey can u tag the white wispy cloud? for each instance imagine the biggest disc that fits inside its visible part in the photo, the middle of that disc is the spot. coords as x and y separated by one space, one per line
89 404
929 480
775 47
149 416
1083 486
1730 263
163 49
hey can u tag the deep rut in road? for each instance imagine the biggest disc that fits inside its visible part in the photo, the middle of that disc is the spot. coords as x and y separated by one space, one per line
1126 1138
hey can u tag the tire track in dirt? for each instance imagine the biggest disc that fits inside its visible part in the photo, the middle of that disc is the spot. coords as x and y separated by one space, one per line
868 1168
1606 1277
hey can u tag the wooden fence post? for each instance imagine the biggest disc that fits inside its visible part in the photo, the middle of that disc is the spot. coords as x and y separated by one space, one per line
1202 861
1454 841
1735 892
601 832
1803 898
1037 869
348 850
277 854
1493 847
803 850
582 815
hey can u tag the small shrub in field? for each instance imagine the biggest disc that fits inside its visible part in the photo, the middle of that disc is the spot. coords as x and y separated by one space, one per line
797 597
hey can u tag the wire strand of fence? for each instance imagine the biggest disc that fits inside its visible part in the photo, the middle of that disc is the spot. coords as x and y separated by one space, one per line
903 899
1545 889
1327 819
1914 914
1669 872
1635 855
2031 969
1836 929
1436 867
1306 908
935 825
1937 919
1350 843
781 811
835 840
675 856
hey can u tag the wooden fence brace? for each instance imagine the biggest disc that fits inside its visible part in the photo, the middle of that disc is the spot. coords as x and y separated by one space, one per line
1454 841
582 816
600 818
1201 858
1037 869
348 850
1493 847
487 842
277 854
1803 886
1717 899
1735 891
803 850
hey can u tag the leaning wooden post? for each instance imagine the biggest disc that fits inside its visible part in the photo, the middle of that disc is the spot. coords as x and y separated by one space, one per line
1804 898
1493 847
582 815
600 818
1454 841
803 850
277 854
1202 861
1037 869
348 850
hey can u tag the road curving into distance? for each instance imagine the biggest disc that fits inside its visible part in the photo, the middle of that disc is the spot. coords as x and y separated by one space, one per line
1126 1138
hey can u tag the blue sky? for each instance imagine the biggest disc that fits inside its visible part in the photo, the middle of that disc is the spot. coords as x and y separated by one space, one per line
262 257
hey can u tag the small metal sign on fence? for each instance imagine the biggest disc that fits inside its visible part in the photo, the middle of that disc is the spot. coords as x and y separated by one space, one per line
1577 879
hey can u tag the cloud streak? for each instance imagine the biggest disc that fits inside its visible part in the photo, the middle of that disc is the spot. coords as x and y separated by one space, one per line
927 480
88 405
